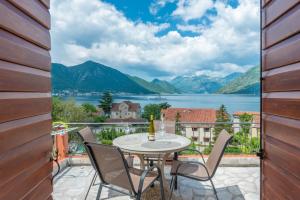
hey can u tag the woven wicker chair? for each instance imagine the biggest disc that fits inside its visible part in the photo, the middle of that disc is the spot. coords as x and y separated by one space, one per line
87 135
202 171
113 170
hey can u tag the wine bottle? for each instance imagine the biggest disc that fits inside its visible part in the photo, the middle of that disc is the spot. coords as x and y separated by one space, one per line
151 134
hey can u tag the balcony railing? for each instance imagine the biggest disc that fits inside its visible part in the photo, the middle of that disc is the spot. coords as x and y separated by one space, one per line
246 136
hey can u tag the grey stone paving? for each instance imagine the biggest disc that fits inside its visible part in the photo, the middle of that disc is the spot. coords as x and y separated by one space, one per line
232 183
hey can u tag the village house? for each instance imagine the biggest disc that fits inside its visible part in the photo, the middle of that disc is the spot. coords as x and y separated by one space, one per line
255 124
125 110
195 123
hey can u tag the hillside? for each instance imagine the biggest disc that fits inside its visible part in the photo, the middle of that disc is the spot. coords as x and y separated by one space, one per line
93 77
202 83
248 83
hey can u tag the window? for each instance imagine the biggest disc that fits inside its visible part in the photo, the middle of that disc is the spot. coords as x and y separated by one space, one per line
206 129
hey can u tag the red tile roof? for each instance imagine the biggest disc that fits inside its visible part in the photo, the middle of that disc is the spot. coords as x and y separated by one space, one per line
190 114
133 107
256 115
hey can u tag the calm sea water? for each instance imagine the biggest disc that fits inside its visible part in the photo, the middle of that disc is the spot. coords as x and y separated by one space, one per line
231 101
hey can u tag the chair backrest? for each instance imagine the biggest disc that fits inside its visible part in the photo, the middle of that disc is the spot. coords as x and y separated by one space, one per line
217 152
110 165
87 135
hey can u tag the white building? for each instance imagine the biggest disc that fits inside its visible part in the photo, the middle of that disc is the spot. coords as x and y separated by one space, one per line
125 110
195 123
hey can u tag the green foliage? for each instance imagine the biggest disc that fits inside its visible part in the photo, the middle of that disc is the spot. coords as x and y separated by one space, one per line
106 102
89 108
68 111
99 119
246 120
154 109
177 125
222 116
106 136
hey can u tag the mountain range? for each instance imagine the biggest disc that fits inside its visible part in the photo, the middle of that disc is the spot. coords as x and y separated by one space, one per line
94 77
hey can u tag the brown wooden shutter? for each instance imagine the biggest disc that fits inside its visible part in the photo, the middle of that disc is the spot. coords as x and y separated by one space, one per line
25 100
281 99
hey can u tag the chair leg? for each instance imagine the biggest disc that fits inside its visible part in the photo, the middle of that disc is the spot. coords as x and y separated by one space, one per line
171 181
99 192
162 192
95 178
92 183
215 191
139 196
172 187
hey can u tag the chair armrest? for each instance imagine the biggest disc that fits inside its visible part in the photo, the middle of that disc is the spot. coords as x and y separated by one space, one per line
199 152
191 162
144 174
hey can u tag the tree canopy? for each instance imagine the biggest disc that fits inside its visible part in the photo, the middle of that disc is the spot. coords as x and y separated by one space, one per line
154 109
106 102
222 116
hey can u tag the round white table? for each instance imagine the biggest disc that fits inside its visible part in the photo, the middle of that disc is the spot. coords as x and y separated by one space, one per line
162 147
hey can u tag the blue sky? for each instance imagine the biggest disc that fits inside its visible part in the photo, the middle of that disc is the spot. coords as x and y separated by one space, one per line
158 38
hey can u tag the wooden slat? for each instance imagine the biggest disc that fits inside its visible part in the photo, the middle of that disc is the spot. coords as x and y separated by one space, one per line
46 3
281 181
285 154
14 77
282 129
270 194
16 50
17 161
265 2
26 183
19 132
42 191
20 105
276 79
20 24
283 28
275 9
282 54
282 107
34 9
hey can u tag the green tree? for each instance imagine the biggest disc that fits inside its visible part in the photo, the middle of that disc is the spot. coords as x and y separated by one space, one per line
106 102
223 122
177 125
57 108
89 108
68 111
154 109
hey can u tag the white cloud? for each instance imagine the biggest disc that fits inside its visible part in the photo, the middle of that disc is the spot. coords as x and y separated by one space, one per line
157 5
83 30
191 28
192 9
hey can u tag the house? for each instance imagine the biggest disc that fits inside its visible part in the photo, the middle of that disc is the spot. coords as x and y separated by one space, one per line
255 124
195 123
125 110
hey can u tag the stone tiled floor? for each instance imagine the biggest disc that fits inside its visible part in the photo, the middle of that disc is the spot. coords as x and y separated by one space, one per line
231 182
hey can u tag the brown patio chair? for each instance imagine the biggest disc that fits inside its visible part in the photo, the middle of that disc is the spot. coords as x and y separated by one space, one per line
202 171
86 135
114 172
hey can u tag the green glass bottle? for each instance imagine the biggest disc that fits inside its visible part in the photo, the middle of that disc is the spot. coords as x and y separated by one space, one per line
151 134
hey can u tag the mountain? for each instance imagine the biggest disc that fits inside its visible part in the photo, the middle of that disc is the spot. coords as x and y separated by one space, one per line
156 86
93 77
248 83
202 83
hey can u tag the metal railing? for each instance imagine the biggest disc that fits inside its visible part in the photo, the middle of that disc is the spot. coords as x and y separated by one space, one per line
246 136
